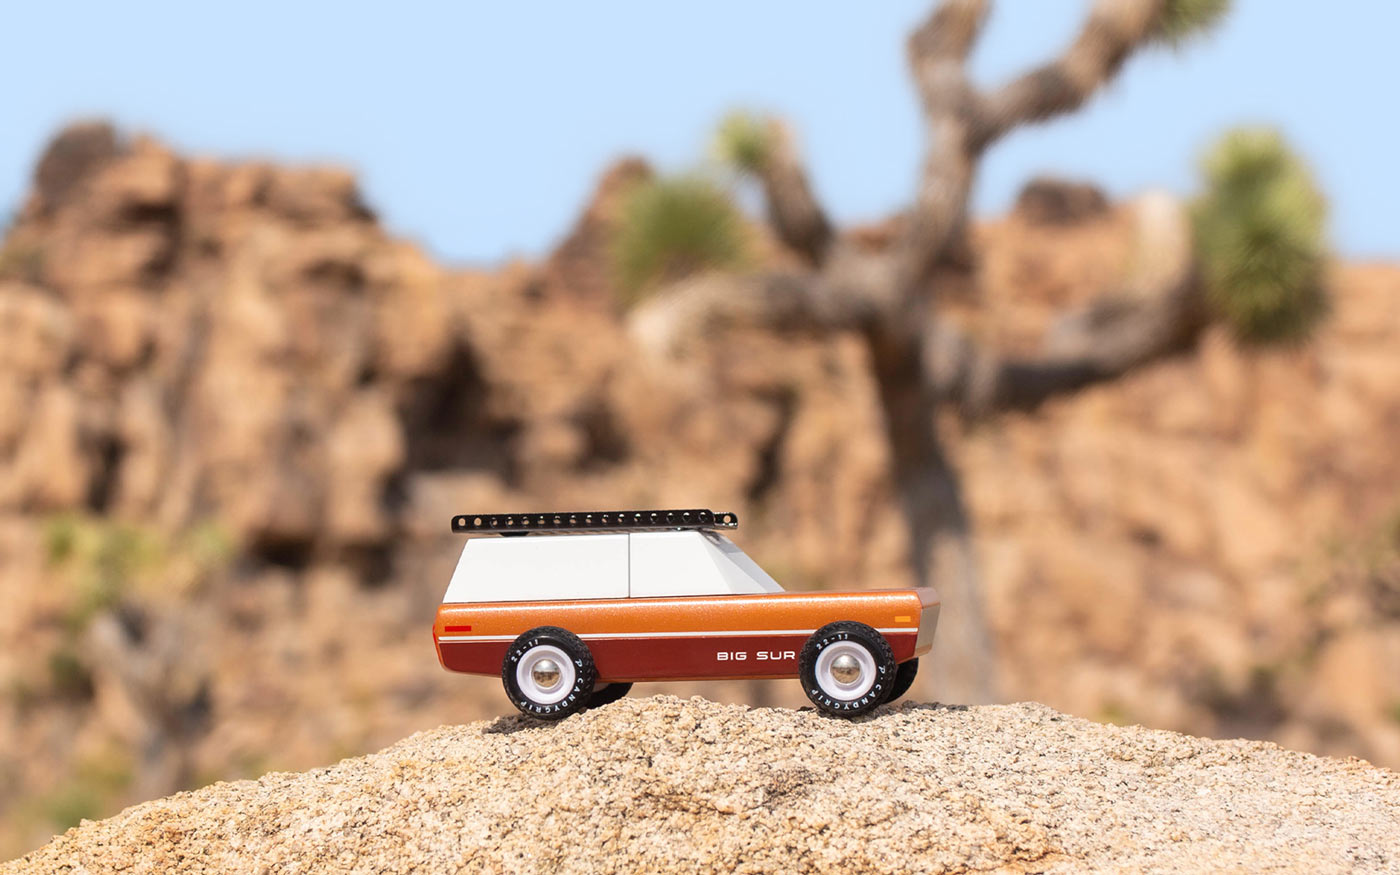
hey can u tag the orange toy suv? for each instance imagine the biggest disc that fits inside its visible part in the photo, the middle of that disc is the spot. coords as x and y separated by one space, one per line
571 608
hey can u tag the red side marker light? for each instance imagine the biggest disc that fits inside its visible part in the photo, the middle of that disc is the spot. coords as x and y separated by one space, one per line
457 628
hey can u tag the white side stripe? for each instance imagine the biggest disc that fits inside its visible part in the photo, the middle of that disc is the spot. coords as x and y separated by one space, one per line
591 636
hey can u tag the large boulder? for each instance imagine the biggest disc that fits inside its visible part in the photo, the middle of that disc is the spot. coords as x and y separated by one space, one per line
665 784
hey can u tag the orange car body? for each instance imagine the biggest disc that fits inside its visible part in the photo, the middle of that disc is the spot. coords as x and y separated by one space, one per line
685 637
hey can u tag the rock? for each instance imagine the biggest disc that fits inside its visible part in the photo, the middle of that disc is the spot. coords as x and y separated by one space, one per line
666 784
69 160
115 327
582 263
366 449
321 196
36 333
51 469
143 185
1048 201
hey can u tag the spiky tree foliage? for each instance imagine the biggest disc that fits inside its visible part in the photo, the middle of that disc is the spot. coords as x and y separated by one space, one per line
745 141
672 227
1260 234
1183 19
920 361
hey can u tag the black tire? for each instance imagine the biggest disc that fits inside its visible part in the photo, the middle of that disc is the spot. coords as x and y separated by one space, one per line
607 694
549 704
903 679
878 668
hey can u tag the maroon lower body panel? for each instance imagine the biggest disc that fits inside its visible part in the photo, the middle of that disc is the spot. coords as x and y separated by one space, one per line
671 658
719 656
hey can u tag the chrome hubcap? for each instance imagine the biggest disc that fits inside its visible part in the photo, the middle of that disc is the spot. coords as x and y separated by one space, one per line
546 674
845 669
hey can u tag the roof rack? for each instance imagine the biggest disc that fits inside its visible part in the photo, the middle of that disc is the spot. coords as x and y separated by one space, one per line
594 521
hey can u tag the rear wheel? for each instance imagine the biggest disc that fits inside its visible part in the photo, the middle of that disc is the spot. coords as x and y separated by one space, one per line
847 669
607 694
548 673
903 679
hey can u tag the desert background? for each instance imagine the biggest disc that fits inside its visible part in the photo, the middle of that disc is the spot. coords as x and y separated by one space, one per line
238 408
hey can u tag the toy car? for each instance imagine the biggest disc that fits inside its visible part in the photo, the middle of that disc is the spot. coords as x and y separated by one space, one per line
571 608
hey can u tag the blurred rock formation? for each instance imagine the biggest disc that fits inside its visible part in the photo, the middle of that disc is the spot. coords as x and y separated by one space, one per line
190 346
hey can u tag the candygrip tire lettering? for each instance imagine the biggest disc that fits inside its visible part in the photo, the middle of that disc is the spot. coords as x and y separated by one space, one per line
858 683
541 702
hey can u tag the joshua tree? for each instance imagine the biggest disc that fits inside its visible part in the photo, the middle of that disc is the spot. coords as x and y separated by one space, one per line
922 362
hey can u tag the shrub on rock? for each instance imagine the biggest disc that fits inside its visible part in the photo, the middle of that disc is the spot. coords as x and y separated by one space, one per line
1260 232
672 227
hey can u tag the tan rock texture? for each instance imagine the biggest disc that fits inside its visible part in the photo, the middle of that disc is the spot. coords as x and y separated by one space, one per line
666 784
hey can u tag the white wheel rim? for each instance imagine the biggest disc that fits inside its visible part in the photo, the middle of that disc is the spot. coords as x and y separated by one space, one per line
826 679
525 674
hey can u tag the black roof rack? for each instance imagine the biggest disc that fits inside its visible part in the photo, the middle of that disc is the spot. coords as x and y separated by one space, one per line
593 521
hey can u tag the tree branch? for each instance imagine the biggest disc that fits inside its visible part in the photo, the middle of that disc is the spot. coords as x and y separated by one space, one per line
778 301
1116 337
941 44
1112 32
1161 313
938 213
793 211
937 54
852 292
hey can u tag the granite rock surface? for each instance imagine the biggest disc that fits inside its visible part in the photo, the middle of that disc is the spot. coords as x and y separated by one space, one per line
671 784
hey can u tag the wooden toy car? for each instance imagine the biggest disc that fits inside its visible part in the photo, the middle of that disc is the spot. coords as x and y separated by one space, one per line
571 608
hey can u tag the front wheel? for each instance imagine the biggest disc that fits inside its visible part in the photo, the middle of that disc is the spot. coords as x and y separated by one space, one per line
847 669
548 673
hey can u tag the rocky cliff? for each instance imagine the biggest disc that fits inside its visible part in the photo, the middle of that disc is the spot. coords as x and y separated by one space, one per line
236 414
670 785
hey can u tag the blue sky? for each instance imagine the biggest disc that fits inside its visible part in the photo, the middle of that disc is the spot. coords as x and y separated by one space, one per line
479 128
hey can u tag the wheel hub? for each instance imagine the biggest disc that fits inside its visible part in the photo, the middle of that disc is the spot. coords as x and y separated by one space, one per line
546 674
845 669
